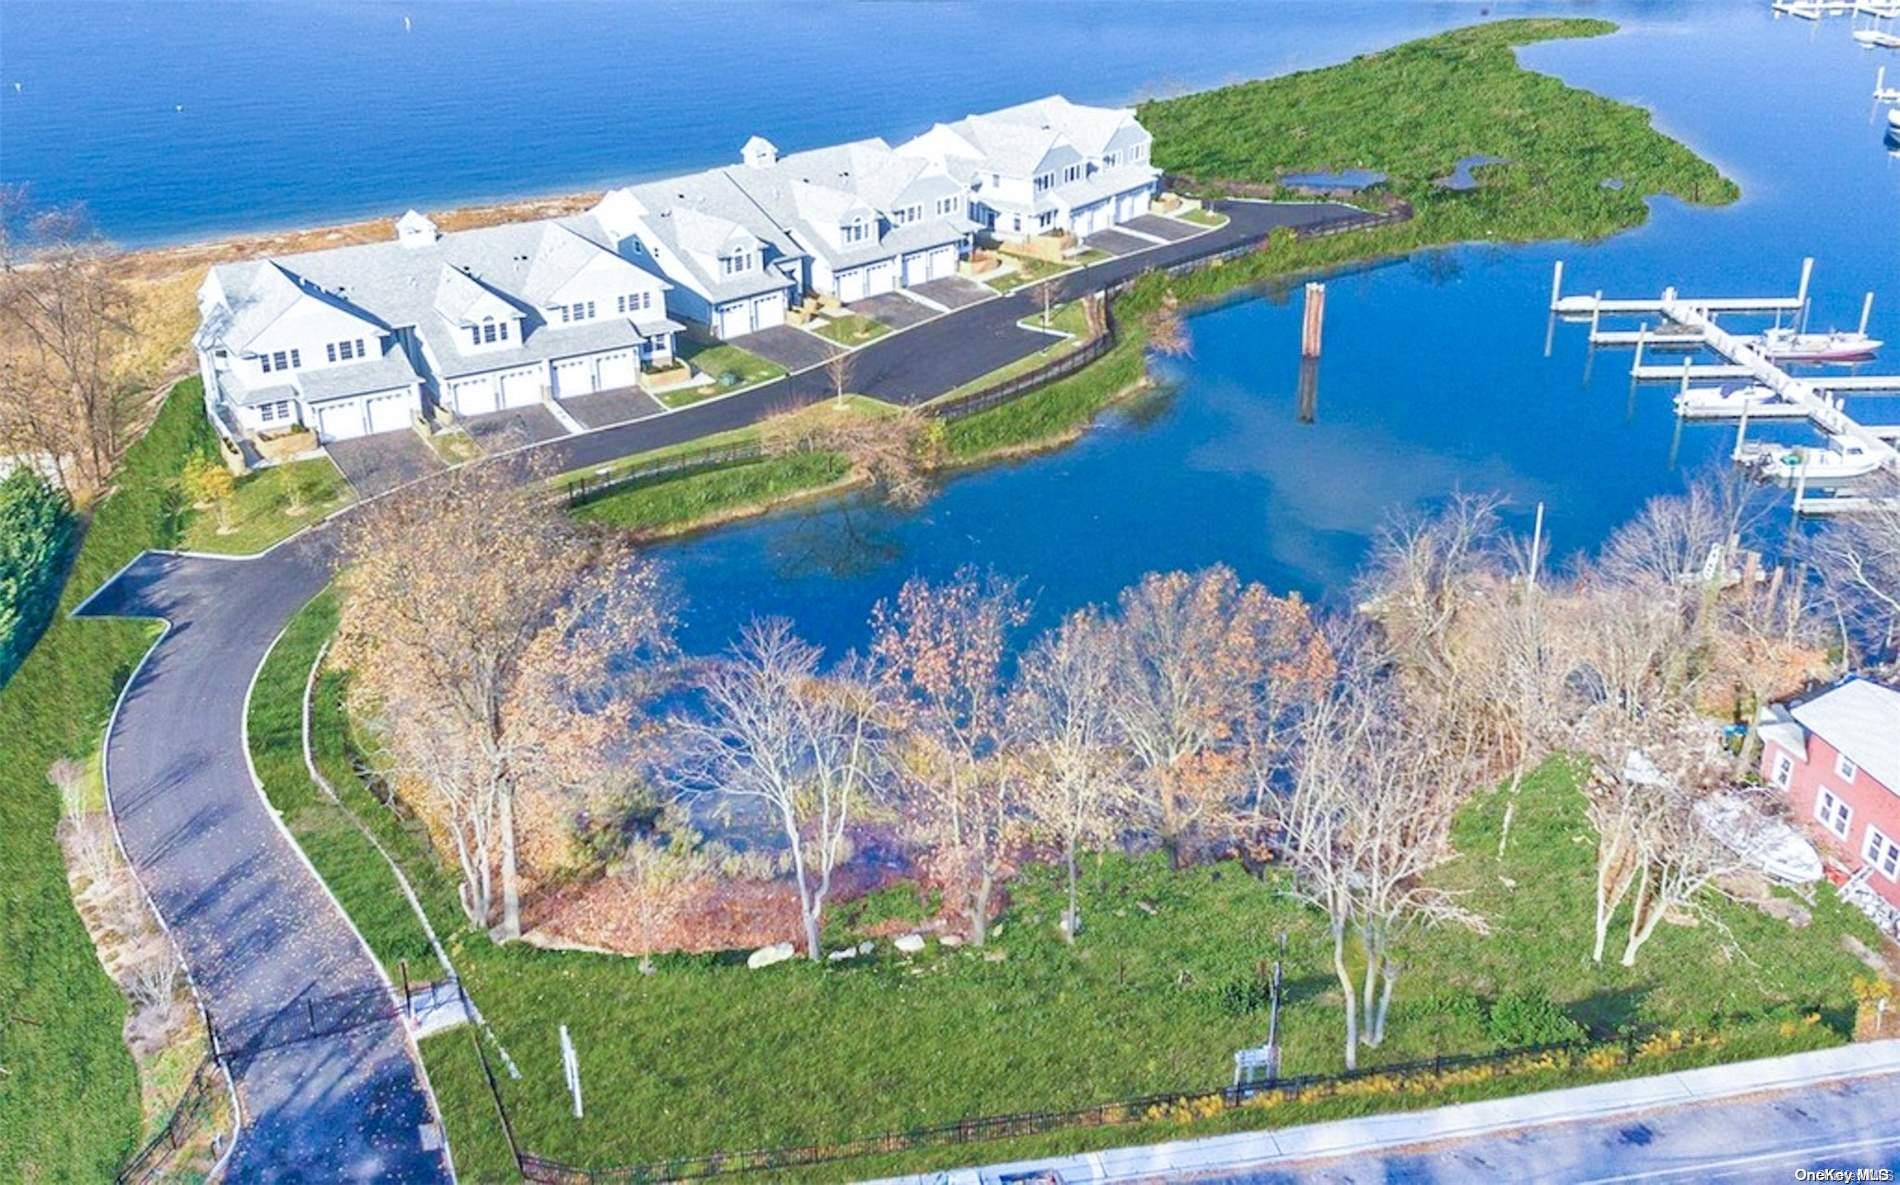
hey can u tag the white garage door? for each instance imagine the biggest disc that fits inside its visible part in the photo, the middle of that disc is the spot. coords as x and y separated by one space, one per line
768 310
916 268
943 262
388 413
883 278
340 421
522 388
853 285
618 370
734 320
473 397
575 376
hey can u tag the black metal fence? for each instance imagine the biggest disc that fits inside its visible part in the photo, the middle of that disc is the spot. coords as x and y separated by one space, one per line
586 488
306 1018
195 1135
1144 1109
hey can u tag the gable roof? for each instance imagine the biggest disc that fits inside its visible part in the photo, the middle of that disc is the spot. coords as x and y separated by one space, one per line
1861 718
464 300
685 217
1090 129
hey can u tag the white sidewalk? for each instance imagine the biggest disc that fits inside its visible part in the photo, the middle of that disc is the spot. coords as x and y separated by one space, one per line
1463 1121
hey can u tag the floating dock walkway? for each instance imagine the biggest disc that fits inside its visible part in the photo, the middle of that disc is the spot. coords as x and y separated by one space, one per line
1691 323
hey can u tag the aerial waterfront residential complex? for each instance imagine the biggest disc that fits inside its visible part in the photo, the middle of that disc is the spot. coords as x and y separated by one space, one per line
366 339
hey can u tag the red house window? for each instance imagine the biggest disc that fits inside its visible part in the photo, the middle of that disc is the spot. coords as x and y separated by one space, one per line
1882 853
1832 812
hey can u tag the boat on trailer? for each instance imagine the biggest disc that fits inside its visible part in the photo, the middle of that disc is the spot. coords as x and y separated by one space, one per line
1843 459
1730 400
1840 345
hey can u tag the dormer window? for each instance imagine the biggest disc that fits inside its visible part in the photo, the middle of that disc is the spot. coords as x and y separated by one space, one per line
488 333
580 310
280 360
854 232
948 206
1072 173
907 214
1045 181
738 263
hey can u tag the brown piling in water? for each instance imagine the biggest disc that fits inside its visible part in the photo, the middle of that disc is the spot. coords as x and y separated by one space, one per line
1314 323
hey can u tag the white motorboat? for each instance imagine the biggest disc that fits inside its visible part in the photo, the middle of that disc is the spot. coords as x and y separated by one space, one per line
1893 126
1786 345
1843 459
1770 844
1727 402
1876 39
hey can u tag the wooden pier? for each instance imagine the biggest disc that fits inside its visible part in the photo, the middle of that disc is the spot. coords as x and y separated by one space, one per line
1690 323
1882 92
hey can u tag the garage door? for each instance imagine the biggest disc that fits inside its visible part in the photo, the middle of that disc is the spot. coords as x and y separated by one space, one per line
473 397
388 413
522 388
618 370
883 278
853 285
734 320
916 268
943 262
573 377
768 311
340 421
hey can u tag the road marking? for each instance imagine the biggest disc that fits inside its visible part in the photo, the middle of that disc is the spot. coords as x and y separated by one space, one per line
1833 1148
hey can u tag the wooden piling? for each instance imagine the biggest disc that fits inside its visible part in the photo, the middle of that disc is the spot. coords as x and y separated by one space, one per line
1313 325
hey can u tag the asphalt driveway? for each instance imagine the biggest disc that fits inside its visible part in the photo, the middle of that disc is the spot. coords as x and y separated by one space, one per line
1171 229
787 345
954 292
1116 243
612 407
376 464
499 431
893 309
265 943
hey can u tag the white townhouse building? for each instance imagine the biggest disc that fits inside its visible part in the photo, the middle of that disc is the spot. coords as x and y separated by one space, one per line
739 243
356 340
869 220
730 267
1045 166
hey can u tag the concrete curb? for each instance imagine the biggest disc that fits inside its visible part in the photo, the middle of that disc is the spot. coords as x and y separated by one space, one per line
1461 1121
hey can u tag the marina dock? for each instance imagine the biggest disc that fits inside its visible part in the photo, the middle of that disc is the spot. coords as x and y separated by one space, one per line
1691 324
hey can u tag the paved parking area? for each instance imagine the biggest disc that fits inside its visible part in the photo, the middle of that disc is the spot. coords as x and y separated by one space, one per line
1115 242
893 309
788 346
612 407
954 292
499 431
375 464
1171 229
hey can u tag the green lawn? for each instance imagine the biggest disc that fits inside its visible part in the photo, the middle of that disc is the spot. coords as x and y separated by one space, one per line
1205 217
729 366
852 329
60 1036
260 512
1028 271
694 498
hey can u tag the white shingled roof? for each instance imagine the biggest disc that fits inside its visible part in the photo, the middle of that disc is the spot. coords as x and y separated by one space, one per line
1861 718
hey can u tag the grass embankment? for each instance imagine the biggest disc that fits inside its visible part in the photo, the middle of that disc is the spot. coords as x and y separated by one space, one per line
1028 271
268 506
730 367
1413 112
705 1055
69 1100
852 329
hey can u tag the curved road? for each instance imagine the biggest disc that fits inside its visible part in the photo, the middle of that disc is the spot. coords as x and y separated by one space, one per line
267 947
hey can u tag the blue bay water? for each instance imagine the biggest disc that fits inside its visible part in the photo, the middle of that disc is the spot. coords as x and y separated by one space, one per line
1434 377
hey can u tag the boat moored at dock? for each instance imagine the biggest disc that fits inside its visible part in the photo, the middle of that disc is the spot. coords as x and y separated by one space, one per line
1731 401
1844 459
1788 345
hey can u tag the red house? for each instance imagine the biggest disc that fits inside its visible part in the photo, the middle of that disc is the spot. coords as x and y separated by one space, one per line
1837 754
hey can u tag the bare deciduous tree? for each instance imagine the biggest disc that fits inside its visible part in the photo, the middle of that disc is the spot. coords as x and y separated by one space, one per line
65 321
505 651
893 451
776 731
1858 559
1370 815
938 654
1061 708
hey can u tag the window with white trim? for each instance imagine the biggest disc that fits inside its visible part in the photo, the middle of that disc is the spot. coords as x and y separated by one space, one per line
948 205
907 214
1045 181
1882 853
1784 769
1844 766
1072 173
280 360
738 263
272 413
1110 160
633 302
853 232
580 310
345 351
1834 814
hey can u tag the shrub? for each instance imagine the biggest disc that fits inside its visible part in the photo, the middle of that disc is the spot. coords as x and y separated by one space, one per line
36 524
1518 1019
